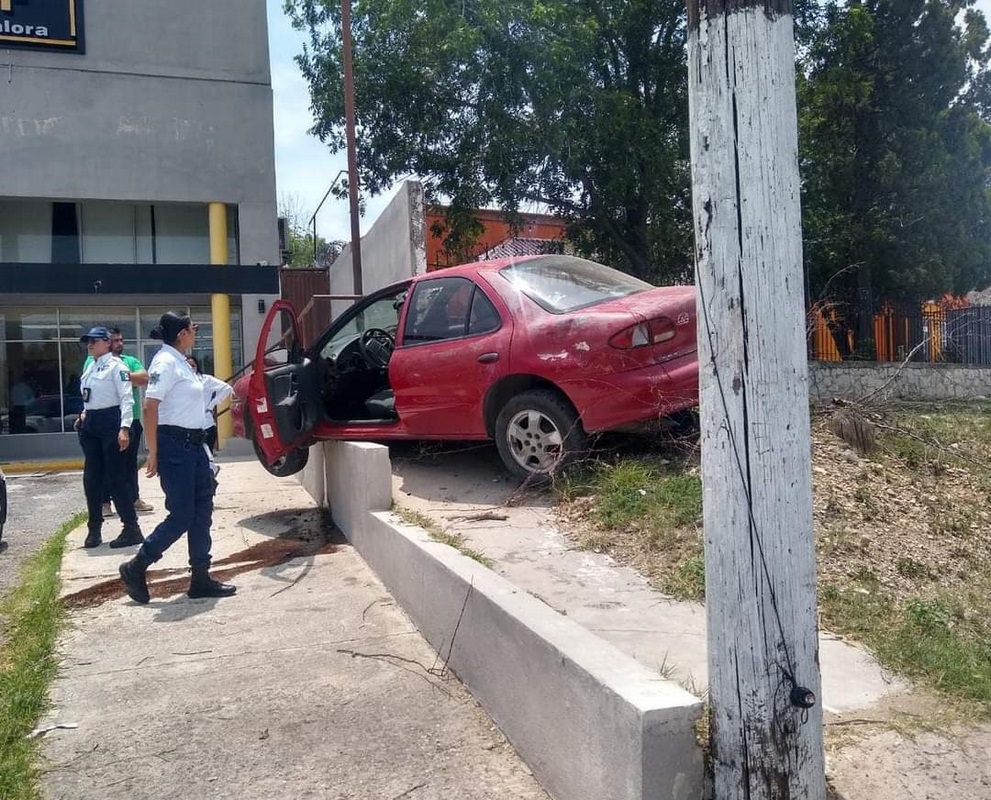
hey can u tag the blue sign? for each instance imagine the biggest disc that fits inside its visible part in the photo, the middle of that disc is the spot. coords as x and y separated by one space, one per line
42 24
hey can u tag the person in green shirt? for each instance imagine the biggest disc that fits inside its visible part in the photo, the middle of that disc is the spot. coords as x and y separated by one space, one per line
139 378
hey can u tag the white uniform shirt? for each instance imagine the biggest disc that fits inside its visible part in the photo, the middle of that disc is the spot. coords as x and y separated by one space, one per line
215 391
106 383
180 391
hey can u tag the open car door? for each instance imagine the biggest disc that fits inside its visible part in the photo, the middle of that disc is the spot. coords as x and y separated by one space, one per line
283 393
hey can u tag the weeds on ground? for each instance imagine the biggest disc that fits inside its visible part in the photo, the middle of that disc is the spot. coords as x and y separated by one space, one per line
438 534
32 617
922 603
647 510
943 640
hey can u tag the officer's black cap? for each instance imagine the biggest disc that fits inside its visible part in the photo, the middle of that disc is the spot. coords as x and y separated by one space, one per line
99 332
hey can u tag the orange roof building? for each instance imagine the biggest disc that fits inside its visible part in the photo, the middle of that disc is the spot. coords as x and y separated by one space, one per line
537 233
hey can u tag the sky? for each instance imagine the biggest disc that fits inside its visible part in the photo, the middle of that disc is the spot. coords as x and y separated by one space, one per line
304 167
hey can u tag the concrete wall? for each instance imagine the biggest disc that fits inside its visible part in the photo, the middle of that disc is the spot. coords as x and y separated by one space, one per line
854 380
394 249
591 722
169 103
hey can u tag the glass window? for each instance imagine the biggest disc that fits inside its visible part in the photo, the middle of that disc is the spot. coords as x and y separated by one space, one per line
33 403
39 379
38 324
383 312
76 321
25 232
439 311
73 357
182 234
115 233
484 317
559 284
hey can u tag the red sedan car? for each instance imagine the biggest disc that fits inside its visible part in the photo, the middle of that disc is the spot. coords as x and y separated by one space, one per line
536 353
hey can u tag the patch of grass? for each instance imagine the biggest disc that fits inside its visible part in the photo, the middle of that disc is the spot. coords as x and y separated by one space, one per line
32 617
943 641
687 582
438 534
633 490
957 433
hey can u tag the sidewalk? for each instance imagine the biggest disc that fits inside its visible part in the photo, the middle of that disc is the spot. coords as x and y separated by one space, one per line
310 682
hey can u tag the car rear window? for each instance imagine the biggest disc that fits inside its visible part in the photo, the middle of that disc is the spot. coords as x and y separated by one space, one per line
559 284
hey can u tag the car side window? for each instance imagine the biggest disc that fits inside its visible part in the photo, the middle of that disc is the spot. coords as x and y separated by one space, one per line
484 317
439 310
383 313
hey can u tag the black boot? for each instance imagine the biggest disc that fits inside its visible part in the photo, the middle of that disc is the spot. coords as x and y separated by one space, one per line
93 539
132 573
128 537
202 585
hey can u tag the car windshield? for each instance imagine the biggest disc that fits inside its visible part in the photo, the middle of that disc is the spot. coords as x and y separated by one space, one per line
382 313
559 284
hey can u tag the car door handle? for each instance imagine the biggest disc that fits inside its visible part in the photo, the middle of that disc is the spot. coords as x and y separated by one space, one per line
488 358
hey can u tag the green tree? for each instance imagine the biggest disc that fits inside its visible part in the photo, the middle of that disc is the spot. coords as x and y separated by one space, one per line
580 107
300 251
895 154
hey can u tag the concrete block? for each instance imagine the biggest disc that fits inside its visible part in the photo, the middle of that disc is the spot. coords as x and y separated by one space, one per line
358 480
589 721
313 476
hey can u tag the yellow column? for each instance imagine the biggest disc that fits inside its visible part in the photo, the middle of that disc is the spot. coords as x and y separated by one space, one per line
220 306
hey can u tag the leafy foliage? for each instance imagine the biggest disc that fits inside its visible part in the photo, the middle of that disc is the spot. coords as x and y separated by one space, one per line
582 108
895 153
579 107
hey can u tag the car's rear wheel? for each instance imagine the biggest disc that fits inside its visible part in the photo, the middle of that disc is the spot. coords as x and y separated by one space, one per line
287 464
538 434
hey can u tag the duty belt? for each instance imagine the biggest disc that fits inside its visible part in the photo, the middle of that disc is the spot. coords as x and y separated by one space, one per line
189 435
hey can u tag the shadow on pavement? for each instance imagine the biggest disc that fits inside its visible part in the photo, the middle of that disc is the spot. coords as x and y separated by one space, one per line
296 533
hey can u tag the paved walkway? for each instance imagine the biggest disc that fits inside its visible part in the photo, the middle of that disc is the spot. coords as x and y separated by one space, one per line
310 682
615 602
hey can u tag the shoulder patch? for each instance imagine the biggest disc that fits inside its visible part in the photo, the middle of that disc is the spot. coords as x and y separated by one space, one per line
125 375
152 378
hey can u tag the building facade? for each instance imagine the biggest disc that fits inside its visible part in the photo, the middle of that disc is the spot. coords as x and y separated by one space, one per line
121 125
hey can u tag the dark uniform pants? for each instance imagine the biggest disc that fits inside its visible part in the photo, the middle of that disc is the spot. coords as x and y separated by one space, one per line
130 462
184 471
104 466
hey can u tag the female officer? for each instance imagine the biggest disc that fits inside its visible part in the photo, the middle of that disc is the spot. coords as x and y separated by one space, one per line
104 433
173 419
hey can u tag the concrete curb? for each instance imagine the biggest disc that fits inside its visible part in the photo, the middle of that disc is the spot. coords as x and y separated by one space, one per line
24 467
591 722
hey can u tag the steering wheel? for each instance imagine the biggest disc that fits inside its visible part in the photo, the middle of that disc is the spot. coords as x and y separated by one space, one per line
376 345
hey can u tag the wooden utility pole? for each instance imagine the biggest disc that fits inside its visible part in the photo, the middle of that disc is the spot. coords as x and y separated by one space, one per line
764 681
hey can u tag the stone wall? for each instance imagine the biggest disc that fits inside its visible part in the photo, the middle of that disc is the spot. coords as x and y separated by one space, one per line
855 380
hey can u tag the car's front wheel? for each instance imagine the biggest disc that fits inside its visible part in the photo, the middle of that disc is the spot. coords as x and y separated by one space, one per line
285 465
537 434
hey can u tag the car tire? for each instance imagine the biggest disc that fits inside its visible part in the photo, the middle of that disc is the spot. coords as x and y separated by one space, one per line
538 434
286 465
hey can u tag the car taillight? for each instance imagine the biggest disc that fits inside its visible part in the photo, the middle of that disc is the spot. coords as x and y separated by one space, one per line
652 332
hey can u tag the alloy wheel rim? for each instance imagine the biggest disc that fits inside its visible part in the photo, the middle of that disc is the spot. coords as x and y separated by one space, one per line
535 441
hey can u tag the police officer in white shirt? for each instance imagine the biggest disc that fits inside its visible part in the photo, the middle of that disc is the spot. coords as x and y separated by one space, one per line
104 434
173 420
